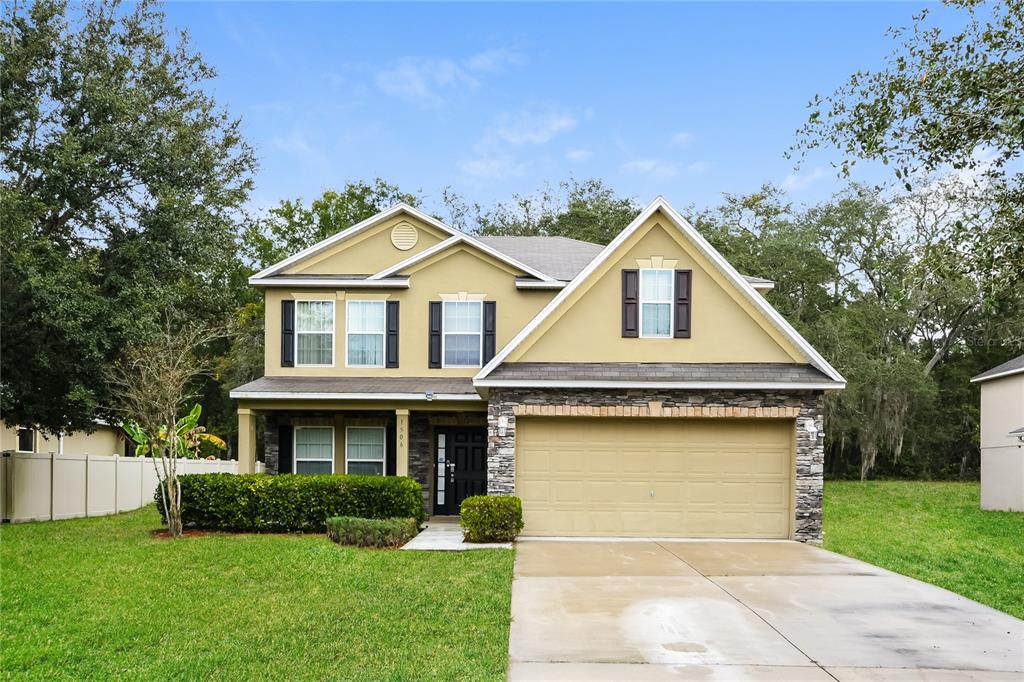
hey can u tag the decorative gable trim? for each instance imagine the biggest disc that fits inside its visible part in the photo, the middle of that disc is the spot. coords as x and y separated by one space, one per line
456 237
702 245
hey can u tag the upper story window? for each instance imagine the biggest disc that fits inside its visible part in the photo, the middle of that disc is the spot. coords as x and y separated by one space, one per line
462 337
314 329
655 303
365 322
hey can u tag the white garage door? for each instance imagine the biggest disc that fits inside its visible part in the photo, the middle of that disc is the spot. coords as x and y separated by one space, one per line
656 477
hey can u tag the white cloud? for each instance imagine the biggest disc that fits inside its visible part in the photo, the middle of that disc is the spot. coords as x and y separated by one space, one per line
420 80
493 60
656 168
531 127
698 167
682 140
796 182
310 154
425 81
578 155
492 167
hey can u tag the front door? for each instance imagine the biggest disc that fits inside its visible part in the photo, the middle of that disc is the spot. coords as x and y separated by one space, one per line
461 456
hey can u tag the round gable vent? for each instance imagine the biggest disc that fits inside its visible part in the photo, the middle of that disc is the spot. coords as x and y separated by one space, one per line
404 236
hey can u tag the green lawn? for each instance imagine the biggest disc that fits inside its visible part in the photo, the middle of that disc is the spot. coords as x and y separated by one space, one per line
101 598
935 532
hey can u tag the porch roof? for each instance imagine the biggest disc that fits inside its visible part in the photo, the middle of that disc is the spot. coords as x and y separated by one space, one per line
358 388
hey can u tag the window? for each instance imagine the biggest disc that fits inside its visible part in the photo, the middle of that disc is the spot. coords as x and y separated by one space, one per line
314 328
364 450
655 303
26 440
365 335
314 450
463 333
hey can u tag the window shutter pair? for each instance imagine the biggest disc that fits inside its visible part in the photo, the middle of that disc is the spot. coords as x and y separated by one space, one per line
490 324
682 282
288 334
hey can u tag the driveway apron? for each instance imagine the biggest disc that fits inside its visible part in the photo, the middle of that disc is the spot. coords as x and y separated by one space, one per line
728 610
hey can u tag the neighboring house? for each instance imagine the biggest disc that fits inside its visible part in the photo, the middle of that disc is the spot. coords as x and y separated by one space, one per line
643 388
1002 436
104 440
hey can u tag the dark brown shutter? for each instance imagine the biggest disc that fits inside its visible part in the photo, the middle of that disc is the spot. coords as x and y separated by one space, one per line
284 449
390 449
287 333
391 338
630 303
682 302
434 346
490 328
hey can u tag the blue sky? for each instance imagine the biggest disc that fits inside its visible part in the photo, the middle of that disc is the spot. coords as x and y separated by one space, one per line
684 100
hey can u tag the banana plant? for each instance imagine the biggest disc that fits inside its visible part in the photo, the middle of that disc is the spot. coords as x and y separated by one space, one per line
187 441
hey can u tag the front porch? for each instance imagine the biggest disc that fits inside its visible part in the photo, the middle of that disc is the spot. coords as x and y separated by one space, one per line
441 448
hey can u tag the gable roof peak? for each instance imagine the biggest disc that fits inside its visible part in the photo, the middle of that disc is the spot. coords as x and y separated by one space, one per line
705 247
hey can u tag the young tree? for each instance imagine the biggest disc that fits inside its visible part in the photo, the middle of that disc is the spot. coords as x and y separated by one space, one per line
154 380
121 191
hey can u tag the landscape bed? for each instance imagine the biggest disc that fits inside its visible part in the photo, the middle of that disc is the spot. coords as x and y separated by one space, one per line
935 532
102 598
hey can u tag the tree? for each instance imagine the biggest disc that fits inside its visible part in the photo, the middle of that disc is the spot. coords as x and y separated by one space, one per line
940 100
154 380
121 187
587 210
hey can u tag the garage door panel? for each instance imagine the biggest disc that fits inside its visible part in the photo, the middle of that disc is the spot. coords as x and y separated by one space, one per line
710 478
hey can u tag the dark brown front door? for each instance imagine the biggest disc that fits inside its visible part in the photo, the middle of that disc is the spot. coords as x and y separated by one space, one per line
461 457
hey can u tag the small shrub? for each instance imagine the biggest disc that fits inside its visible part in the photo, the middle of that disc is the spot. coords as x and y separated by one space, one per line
265 503
491 519
352 530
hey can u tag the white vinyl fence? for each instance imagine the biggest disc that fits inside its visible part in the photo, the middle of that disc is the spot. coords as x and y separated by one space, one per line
46 487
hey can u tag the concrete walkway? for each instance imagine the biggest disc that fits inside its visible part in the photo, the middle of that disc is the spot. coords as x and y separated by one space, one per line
677 610
444 534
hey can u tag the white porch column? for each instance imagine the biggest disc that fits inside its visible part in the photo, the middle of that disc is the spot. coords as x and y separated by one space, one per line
402 442
246 441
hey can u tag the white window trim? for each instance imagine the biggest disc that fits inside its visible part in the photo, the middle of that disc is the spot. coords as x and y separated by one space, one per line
670 302
444 336
17 439
334 323
384 455
295 447
383 334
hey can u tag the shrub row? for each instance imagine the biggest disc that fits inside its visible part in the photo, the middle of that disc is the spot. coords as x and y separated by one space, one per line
491 519
264 503
351 530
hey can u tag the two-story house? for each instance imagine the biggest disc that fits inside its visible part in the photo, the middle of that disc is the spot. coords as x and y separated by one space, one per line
642 388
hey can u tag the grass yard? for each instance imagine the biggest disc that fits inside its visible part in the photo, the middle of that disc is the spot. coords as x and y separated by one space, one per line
100 598
935 532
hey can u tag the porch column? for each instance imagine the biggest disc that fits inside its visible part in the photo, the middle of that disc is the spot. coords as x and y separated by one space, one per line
246 441
402 442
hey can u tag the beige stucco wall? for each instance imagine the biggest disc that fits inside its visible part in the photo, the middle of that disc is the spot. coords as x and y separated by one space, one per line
1002 458
368 252
726 327
105 440
459 269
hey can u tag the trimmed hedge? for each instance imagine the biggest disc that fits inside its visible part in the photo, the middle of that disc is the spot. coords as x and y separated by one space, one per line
491 519
265 503
351 530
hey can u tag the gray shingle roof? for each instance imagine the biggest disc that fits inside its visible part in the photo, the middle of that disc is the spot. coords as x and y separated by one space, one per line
368 385
559 257
659 372
1009 367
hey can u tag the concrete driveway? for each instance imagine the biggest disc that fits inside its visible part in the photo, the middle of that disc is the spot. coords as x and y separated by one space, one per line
661 610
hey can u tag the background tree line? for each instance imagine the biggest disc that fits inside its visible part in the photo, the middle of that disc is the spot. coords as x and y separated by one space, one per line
123 205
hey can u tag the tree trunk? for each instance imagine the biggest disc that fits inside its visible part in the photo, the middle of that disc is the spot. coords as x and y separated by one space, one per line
867 460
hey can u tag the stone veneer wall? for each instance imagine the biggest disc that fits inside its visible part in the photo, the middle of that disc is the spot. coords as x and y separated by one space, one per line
806 406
